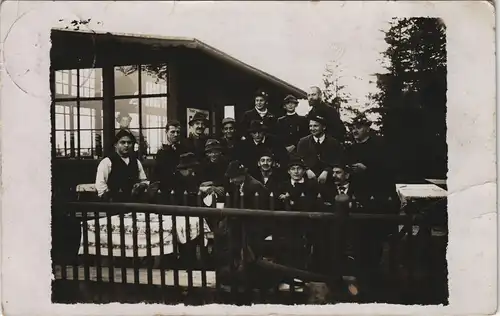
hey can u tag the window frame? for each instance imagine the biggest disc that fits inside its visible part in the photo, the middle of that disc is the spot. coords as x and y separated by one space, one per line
108 98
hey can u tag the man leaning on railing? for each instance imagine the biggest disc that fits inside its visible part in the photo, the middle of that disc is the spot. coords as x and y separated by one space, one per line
120 176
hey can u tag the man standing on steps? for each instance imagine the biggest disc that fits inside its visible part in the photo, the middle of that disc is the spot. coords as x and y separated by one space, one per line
291 127
335 126
260 112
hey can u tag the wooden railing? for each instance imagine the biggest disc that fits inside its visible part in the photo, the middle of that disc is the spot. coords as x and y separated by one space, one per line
193 270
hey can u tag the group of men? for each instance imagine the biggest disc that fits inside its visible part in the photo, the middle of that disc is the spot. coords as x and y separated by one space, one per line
292 162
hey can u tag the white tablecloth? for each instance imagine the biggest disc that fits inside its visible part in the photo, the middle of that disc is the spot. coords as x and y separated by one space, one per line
429 191
156 243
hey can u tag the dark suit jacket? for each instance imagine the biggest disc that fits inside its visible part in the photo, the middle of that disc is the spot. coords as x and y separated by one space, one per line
320 160
296 202
378 178
197 146
250 187
228 148
291 128
166 162
248 153
269 120
273 183
335 126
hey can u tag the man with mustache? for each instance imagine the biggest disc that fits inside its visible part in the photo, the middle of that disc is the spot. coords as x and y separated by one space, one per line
260 113
197 139
250 150
120 176
335 126
167 158
268 174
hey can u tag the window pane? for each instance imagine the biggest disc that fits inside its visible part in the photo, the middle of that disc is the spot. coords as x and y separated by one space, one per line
155 138
90 82
127 113
91 114
154 79
64 112
126 80
91 144
154 112
62 83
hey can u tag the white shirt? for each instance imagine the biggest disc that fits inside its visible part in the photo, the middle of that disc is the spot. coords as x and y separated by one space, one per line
261 142
345 188
300 181
321 139
104 169
261 113
293 113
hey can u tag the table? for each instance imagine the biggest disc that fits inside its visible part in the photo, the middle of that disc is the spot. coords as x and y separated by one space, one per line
419 192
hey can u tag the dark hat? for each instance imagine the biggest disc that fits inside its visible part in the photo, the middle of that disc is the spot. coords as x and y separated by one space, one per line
228 120
256 126
124 133
290 99
361 120
187 160
198 116
122 115
212 144
266 152
261 93
341 164
317 118
235 169
296 160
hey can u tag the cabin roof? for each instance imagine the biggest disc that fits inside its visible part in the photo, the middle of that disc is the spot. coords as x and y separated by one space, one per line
158 42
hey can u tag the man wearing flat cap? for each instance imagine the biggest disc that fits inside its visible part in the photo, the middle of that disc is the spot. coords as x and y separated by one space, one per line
197 139
229 137
250 150
291 127
335 126
212 172
319 150
260 112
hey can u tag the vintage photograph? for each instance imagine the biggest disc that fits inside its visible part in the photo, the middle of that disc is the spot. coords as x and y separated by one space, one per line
221 164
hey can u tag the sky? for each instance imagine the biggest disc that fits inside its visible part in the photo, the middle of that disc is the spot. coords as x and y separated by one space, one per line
290 40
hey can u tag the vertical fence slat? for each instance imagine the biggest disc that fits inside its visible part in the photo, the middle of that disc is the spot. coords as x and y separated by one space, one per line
201 221
189 244
175 243
97 233
85 236
162 251
135 247
147 217
76 273
109 230
123 256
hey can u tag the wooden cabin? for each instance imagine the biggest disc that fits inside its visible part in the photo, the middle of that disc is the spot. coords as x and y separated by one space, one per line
98 78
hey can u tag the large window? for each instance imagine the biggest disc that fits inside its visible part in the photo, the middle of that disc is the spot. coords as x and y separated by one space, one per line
140 105
78 113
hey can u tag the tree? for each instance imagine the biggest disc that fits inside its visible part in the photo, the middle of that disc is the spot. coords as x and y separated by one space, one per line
412 95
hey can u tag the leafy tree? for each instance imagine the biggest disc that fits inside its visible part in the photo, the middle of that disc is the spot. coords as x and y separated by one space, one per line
412 95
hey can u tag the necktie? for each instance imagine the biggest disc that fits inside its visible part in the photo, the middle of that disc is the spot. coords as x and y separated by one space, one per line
342 190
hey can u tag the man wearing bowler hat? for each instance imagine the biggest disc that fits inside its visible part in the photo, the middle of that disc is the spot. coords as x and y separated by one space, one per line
319 150
197 139
291 127
260 112
250 150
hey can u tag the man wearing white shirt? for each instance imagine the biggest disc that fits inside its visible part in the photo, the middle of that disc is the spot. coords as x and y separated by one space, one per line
121 177
319 150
